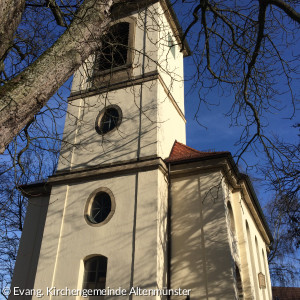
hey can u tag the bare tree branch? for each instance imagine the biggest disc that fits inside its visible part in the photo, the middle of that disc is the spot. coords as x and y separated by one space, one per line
58 14
10 15
293 14
26 94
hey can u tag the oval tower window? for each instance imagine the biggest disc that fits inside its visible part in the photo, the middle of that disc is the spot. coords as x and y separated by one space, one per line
108 119
100 207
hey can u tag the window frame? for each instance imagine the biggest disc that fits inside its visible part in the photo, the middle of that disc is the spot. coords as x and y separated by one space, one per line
119 72
113 43
171 45
231 219
101 115
89 204
86 271
239 282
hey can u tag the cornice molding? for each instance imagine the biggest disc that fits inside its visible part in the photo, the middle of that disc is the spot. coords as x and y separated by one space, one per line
109 171
91 173
136 80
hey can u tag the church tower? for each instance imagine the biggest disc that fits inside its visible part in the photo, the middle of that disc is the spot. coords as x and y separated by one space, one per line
127 100
106 217
131 206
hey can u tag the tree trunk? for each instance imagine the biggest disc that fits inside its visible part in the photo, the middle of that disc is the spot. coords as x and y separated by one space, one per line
22 97
10 17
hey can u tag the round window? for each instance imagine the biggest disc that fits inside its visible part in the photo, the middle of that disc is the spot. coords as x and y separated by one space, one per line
108 119
100 207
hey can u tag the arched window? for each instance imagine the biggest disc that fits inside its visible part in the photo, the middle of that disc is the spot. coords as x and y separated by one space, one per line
239 285
261 280
95 273
266 272
252 262
114 50
231 217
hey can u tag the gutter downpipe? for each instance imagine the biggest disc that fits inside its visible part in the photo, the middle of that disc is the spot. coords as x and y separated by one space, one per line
141 86
169 241
138 154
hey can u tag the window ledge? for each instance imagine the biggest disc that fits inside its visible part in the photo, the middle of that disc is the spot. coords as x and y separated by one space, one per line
111 71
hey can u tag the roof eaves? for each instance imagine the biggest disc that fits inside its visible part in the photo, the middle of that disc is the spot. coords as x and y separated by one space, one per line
194 159
242 176
186 48
257 205
35 189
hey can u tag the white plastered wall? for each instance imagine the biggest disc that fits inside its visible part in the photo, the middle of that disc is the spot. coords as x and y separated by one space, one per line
161 125
150 38
171 125
201 256
30 243
170 67
171 122
162 210
121 144
68 239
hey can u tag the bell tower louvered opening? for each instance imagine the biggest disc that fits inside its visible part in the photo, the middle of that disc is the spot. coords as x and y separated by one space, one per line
114 50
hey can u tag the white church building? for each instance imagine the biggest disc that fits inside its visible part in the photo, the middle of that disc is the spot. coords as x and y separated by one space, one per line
132 211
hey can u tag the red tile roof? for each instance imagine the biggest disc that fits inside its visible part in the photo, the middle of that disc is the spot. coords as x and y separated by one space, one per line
285 293
181 152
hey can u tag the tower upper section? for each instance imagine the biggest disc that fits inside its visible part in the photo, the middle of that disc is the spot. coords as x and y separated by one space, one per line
127 99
